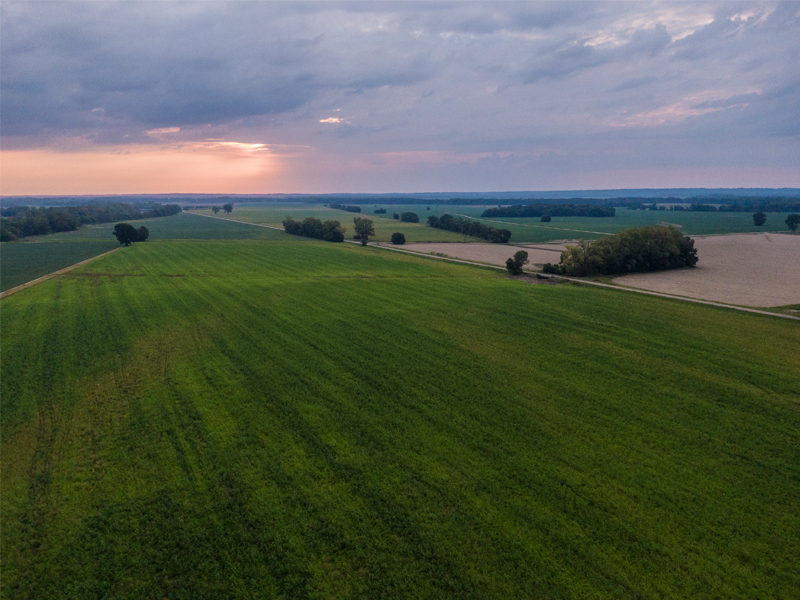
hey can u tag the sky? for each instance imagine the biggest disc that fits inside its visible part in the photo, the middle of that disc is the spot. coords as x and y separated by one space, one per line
321 97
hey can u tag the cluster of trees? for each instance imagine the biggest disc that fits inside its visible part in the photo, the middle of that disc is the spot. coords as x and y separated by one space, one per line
127 234
636 250
468 227
380 211
330 231
409 217
348 208
228 208
554 210
24 221
793 221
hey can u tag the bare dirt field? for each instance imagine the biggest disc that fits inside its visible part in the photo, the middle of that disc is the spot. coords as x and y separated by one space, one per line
749 270
494 254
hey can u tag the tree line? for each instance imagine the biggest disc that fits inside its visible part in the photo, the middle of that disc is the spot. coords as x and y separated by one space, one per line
471 228
23 221
553 210
330 231
636 250
347 207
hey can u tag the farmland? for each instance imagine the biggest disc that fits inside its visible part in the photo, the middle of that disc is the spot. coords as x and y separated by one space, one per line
749 270
41 255
384 227
22 262
529 230
251 418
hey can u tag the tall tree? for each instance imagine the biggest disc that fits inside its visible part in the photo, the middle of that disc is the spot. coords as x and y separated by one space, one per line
363 228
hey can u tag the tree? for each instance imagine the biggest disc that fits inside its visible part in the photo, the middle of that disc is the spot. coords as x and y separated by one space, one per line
793 221
546 218
395 216
759 218
409 217
215 209
228 208
126 234
514 265
398 238
364 228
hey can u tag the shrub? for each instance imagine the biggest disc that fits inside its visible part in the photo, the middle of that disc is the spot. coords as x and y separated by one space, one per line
398 238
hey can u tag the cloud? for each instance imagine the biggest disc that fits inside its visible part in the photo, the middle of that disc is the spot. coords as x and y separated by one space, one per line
608 85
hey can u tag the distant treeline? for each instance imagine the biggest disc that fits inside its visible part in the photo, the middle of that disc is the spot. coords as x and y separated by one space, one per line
747 203
635 250
348 208
554 210
471 228
330 231
24 221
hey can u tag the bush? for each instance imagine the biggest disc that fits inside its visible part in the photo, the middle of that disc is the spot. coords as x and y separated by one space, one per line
546 218
409 217
398 238
395 216
552 269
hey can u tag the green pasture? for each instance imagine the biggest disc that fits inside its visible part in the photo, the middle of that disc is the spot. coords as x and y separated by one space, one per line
691 223
384 228
528 230
21 262
257 419
36 256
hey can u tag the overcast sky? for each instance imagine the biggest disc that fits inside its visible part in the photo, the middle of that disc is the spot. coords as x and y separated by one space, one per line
261 97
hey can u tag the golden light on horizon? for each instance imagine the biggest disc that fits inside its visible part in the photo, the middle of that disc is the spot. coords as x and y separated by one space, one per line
200 167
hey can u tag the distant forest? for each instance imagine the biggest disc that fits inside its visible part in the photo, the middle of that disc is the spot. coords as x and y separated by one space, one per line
554 210
23 221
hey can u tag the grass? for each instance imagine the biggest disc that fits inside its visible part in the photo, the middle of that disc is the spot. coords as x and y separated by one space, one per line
384 227
37 256
23 262
691 223
257 419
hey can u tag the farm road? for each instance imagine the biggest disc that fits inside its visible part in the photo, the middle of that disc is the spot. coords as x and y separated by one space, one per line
606 285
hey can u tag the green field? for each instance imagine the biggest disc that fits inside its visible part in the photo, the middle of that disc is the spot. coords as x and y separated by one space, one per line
21 262
523 230
274 214
24 261
265 419
560 228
